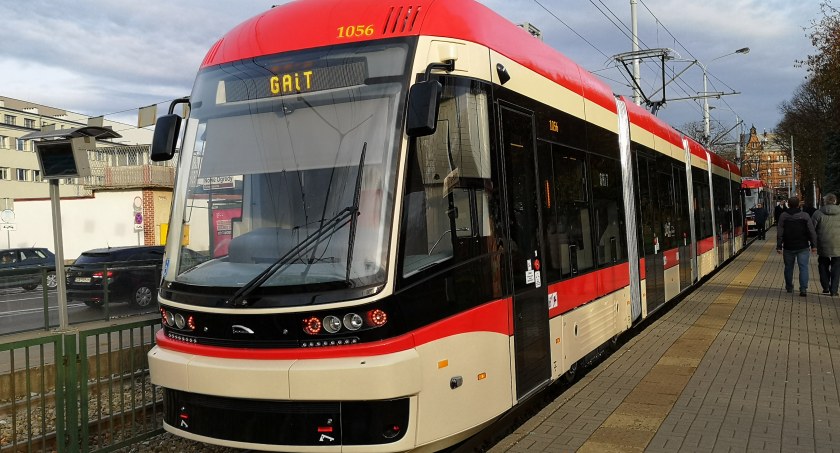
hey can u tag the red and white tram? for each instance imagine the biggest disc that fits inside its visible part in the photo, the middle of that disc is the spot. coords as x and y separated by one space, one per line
754 192
415 216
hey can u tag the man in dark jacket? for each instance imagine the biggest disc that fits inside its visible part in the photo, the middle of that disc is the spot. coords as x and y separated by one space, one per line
797 237
780 208
760 213
827 224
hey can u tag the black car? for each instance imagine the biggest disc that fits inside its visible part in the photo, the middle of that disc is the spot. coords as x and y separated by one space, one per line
26 267
133 275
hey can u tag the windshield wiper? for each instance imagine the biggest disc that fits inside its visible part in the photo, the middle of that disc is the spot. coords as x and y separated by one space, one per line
352 240
326 230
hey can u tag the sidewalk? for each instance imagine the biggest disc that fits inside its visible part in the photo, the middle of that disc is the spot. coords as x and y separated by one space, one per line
738 365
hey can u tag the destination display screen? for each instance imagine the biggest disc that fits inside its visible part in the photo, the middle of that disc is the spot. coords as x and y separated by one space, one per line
305 78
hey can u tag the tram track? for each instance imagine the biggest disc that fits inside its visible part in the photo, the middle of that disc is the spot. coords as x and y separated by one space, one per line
111 426
122 407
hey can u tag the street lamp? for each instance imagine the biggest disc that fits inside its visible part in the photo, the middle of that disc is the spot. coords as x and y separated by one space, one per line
706 133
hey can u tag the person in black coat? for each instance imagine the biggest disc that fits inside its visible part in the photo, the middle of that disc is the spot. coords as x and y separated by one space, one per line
761 214
780 208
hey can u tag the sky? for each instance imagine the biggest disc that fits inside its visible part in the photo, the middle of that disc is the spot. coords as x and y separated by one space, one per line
106 57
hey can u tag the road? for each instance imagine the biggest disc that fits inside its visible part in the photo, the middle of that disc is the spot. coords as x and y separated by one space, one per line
22 311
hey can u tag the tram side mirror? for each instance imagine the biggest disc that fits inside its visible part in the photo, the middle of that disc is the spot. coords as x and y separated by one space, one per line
423 106
165 137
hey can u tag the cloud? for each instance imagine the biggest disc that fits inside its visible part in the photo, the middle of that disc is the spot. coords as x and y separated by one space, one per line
100 56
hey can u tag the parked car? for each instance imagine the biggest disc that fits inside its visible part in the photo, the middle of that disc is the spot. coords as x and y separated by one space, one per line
133 275
24 268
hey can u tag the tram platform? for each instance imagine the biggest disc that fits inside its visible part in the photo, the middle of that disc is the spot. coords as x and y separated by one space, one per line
737 365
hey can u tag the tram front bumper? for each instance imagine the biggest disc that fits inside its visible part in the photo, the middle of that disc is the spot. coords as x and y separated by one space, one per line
330 379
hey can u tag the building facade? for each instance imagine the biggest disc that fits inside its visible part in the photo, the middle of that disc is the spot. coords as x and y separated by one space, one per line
20 175
125 200
764 159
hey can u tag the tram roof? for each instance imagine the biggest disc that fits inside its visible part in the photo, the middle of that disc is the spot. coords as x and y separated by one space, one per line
305 24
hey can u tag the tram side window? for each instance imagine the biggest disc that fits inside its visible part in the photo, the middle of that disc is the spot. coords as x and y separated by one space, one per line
737 212
702 204
723 206
448 174
667 228
564 176
609 213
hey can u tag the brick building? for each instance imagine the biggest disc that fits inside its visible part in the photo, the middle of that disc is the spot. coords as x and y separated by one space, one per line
765 160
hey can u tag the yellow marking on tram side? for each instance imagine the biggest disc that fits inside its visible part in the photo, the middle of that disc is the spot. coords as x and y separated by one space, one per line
443 364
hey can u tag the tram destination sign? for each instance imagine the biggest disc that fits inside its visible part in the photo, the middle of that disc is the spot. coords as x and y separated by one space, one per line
304 78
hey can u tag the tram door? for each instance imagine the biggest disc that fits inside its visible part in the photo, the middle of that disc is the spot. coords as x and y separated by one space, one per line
530 295
651 225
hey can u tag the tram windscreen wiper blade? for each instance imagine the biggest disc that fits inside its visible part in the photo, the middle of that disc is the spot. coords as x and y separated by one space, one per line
323 232
356 195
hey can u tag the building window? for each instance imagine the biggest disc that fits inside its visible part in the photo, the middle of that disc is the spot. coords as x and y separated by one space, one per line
4 173
21 174
20 144
9 119
36 176
4 141
28 122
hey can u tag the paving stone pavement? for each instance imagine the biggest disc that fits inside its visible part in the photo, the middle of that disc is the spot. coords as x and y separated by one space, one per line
738 365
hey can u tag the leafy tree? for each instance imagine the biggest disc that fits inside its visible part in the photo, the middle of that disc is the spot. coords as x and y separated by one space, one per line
813 113
832 167
824 66
804 120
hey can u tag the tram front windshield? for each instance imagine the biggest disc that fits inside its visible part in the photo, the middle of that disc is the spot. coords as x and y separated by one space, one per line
291 164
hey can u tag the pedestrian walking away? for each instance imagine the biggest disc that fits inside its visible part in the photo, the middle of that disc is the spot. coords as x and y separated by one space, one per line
827 224
777 212
796 238
761 214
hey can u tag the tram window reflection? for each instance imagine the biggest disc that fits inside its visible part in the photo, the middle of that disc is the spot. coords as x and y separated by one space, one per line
445 197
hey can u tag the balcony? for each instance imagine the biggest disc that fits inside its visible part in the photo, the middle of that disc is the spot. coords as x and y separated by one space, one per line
127 167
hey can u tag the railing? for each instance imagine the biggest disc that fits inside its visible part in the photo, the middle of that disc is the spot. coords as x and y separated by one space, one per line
129 166
79 391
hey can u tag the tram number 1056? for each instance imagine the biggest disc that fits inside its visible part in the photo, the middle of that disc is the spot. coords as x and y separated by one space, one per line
355 30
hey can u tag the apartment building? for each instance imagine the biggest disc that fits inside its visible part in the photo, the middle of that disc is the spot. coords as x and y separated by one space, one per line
97 211
766 160
20 176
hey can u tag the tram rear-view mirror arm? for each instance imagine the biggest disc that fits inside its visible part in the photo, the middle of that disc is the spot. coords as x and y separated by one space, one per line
424 102
165 137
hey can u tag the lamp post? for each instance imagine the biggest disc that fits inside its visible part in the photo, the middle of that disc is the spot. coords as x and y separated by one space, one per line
706 133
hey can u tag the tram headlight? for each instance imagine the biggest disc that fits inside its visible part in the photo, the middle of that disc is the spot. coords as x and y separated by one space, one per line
312 325
170 318
180 322
332 324
353 322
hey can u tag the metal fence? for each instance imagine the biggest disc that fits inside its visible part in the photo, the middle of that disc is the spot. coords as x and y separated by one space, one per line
85 390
